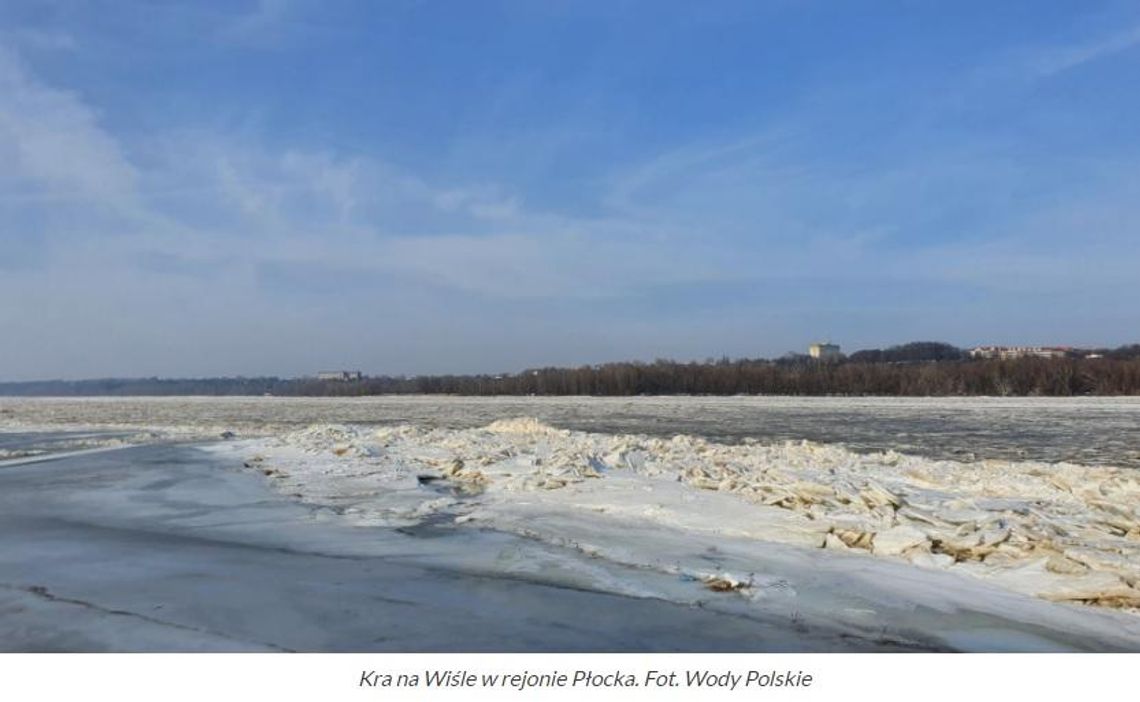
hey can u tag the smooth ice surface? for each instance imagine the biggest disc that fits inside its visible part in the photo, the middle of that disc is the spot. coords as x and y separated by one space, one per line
163 548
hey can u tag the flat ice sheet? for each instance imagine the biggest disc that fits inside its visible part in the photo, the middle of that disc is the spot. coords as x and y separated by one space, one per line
164 548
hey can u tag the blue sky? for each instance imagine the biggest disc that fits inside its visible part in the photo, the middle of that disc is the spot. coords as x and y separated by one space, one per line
418 187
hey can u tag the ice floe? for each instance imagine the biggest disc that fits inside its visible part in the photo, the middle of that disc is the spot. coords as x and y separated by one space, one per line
1058 531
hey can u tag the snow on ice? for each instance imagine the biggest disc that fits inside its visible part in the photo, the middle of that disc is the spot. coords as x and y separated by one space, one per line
1062 532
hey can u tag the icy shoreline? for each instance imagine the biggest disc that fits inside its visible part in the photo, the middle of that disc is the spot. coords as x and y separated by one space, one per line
1060 532
522 512
981 541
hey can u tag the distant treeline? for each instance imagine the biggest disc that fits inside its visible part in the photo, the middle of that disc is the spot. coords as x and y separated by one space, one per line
917 369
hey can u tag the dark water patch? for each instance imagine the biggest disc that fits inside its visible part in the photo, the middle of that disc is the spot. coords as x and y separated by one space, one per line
434 526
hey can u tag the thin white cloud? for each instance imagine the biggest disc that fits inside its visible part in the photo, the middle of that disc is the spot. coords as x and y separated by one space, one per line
1058 59
275 23
202 213
40 39
629 186
52 141
264 18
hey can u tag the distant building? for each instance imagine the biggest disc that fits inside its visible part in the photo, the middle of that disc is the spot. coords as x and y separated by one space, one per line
339 375
825 352
1008 352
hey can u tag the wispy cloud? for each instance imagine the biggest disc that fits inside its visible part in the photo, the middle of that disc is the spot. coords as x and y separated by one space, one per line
1058 59
165 240
31 38
275 24
53 141
749 208
264 20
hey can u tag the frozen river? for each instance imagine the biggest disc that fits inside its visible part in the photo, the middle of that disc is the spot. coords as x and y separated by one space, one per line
690 524
1089 431
162 548
169 548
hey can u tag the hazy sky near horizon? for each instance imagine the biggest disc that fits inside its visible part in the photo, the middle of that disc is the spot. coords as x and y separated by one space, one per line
275 187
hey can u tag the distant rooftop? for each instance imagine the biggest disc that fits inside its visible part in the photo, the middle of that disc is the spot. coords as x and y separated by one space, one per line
339 375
